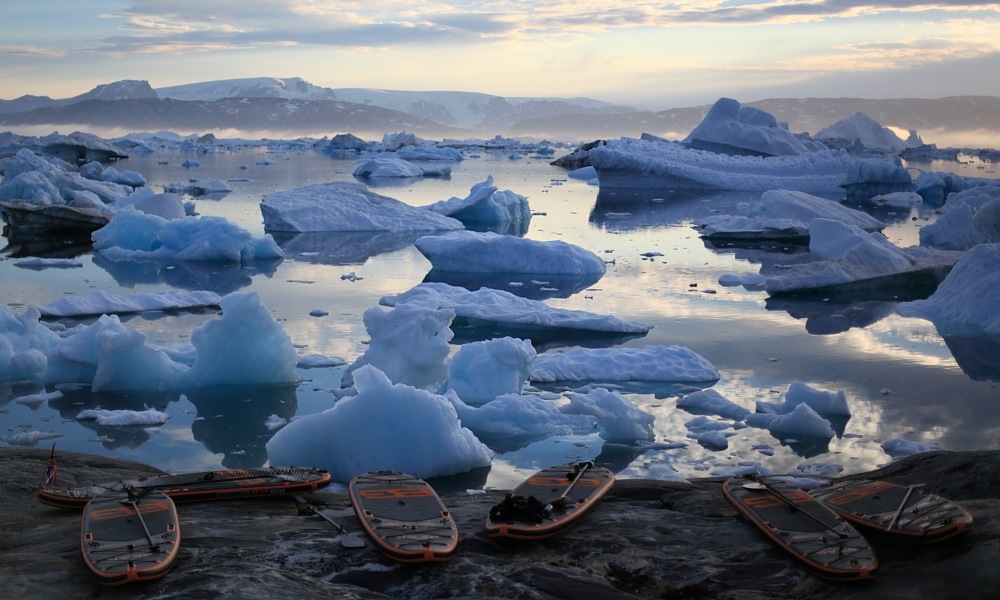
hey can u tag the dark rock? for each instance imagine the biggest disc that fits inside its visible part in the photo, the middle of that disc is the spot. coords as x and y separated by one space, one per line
646 539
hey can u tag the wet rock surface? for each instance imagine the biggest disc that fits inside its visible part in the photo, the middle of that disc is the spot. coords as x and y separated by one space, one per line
646 539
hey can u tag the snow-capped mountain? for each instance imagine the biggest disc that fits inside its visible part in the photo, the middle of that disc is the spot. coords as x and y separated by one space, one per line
255 87
293 106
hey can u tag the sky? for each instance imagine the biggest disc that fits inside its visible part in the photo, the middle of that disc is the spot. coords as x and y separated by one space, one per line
655 55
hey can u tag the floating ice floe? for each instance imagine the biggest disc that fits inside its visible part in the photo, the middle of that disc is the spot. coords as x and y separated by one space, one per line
497 308
487 208
860 129
244 346
481 371
651 363
618 418
103 303
847 258
198 187
968 298
968 218
134 235
511 419
823 402
899 448
473 251
782 214
346 206
711 402
124 418
385 426
384 166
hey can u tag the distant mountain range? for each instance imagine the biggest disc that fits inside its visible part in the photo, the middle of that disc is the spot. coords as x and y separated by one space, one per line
266 106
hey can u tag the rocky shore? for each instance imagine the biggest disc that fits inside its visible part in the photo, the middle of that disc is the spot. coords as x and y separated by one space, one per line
646 539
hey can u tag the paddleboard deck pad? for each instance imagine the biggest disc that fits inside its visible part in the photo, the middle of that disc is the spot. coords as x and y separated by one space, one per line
898 511
121 544
823 542
549 501
404 517
192 487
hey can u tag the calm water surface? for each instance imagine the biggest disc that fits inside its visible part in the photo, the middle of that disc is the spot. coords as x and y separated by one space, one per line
901 377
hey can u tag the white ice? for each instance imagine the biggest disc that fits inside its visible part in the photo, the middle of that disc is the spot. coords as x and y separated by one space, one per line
488 252
968 218
103 303
426 437
491 307
481 371
782 214
487 206
732 128
822 401
346 206
124 418
134 235
969 297
651 363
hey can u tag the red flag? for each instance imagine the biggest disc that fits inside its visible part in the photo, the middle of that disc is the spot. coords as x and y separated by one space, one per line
51 477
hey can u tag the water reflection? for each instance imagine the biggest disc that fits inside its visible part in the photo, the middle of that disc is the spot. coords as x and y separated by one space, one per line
828 316
623 209
343 247
233 420
26 242
977 355
221 278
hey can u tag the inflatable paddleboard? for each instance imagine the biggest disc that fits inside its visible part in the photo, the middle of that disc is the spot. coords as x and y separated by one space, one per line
895 510
404 517
801 525
549 501
191 487
127 537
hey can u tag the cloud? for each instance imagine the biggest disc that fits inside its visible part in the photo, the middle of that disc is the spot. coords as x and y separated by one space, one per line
32 51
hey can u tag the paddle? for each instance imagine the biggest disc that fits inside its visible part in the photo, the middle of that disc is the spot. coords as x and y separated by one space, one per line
561 500
134 501
756 479
347 540
902 505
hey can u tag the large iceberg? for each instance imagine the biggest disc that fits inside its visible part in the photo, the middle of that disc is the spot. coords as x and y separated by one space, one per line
860 129
968 298
632 163
426 438
346 206
730 128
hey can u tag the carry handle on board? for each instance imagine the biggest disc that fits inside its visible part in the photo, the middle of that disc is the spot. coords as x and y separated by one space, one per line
562 499
759 481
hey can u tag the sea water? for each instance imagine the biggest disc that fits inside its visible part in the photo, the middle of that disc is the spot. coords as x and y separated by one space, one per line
901 377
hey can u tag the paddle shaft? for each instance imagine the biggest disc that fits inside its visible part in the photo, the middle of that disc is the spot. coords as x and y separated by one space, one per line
579 473
789 502
134 501
332 522
902 506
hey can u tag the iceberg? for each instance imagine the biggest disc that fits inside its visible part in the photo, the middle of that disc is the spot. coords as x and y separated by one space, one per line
488 252
969 297
849 259
487 208
426 438
346 206
503 310
730 128
652 363
968 218
632 163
